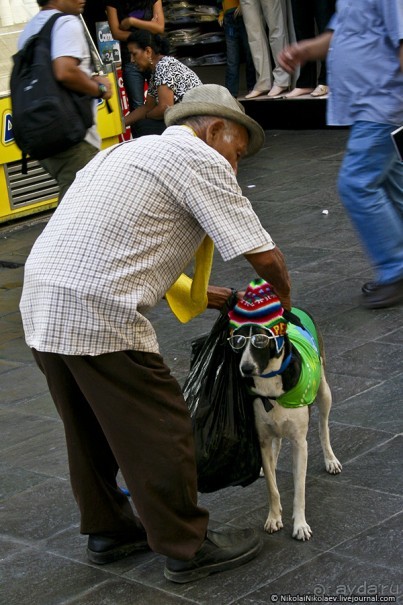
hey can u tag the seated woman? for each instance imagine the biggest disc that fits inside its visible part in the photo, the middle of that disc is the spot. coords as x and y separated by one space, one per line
124 17
169 80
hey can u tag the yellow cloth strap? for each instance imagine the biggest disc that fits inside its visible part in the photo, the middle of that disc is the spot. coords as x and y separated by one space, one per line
187 298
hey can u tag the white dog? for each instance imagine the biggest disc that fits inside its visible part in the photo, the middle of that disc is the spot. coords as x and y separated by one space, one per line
284 365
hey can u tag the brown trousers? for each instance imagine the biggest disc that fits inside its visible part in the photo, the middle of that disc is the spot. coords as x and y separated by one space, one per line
125 411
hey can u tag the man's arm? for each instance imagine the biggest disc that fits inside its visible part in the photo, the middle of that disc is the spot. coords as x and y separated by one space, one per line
67 71
217 296
270 265
117 32
307 50
155 26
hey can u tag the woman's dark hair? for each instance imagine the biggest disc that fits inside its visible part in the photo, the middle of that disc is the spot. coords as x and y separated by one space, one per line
42 2
144 38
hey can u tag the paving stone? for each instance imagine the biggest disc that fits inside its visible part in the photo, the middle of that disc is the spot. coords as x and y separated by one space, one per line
126 593
337 295
361 323
45 453
329 574
385 360
376 468
344 386
39 512
14 480
10 300
42 405
300 257
16 350
394 337
380 545
29 425
18 240
378 407
6 366
10 278
14 318
9 547
37 577
9 331
22 383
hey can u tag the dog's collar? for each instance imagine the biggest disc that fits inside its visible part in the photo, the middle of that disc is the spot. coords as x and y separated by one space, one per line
284 366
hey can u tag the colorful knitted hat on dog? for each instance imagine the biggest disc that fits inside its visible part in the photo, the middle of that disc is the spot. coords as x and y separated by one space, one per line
261 306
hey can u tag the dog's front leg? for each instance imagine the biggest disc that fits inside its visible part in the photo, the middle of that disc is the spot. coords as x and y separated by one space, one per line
301 530
270 450
270 445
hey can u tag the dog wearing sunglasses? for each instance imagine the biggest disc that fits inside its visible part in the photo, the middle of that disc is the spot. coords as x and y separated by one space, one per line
282 361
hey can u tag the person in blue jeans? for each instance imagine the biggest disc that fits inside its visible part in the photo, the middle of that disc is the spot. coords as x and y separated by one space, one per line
236 39
364 46
124 17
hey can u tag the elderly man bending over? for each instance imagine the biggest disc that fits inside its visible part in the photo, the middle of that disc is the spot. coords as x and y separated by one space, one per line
128 226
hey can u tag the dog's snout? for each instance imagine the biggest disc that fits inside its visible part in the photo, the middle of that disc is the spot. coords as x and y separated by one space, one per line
247 368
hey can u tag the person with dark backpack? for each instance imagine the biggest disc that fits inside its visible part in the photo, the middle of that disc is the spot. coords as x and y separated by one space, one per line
53 92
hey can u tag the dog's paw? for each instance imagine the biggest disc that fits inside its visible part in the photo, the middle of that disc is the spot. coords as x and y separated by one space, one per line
302 532
273 524
333 466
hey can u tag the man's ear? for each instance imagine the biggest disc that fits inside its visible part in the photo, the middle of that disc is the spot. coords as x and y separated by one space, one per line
214 131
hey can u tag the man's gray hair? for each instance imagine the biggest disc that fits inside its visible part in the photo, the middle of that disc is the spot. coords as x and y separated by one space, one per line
201 123
197 122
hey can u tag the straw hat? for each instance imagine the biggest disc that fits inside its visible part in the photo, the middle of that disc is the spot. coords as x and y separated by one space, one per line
215 100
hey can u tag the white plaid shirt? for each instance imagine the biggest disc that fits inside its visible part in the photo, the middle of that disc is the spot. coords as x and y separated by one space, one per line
123 233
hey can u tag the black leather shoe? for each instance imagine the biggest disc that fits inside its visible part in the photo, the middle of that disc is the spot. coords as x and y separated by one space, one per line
379 296
221 550
106 548
369 287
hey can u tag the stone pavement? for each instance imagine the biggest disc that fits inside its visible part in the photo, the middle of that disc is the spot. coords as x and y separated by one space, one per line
356 517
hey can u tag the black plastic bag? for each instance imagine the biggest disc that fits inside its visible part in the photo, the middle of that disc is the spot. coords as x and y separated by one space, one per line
227 446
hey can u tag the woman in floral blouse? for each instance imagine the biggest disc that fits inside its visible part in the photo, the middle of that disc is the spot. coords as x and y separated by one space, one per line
169 80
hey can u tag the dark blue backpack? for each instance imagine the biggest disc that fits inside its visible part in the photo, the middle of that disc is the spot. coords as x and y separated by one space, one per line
47 118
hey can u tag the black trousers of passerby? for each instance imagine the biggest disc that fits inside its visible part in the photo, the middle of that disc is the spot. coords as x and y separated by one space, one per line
310 18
